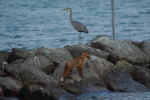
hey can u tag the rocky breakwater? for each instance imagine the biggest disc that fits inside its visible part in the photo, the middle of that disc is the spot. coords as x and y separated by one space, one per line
115 66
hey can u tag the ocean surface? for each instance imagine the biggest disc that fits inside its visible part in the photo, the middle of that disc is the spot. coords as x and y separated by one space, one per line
30 24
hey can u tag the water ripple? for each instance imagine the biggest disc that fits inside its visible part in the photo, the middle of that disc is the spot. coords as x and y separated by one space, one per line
31 24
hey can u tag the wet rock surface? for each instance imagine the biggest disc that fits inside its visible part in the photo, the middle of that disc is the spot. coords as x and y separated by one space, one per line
117 68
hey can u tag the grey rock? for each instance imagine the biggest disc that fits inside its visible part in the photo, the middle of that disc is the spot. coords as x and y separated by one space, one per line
10 86
143 76
55 55
20 54
12 70
41 62
77 49
119 49
140 74
30 71
116 79
33 75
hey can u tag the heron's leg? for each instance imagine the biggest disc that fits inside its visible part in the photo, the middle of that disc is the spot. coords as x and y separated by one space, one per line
79 37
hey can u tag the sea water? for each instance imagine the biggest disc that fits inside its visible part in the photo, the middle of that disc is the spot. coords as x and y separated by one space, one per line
30 24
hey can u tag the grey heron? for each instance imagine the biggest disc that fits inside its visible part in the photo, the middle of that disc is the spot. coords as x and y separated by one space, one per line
77 25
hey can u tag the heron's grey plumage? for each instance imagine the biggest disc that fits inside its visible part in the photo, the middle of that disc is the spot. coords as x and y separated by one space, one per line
77 25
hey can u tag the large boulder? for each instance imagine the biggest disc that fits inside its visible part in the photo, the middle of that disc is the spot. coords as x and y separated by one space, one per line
140 74
33 75
144 46
77 49
115 78
55 55
12 70
10 86
39 61
20 54
78 85
119 49
143 76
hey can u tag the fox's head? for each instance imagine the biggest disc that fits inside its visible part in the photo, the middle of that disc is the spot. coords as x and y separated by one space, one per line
86 55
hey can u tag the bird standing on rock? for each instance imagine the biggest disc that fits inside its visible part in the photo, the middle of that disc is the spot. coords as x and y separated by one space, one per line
77 25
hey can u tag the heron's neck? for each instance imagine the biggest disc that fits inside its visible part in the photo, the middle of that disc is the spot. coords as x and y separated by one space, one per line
71 17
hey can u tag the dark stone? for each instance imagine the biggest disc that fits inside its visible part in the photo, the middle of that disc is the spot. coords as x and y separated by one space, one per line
119 50
10 86
77 49
115 78
20 54
55 55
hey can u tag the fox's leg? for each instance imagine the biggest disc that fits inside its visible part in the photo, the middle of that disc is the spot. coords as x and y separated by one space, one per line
71 69
65 73
80 71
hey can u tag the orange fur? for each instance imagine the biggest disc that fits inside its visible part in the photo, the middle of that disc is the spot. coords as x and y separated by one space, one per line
72 63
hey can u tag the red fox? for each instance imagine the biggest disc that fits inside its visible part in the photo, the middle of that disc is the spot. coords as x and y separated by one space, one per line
72 63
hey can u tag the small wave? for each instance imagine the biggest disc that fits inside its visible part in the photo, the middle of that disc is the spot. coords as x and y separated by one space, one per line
1 15
144 12
20 44
24 5
18 36
63 39
134 23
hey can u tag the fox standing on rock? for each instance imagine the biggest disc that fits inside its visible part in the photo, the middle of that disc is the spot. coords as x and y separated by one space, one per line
72 63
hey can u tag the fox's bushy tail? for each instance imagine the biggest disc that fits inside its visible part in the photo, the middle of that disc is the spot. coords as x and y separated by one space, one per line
66 69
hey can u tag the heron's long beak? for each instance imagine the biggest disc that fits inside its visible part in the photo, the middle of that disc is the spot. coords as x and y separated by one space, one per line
64 9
